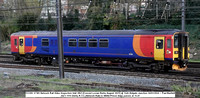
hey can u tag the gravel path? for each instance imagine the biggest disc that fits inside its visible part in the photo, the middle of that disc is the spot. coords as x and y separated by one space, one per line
105 78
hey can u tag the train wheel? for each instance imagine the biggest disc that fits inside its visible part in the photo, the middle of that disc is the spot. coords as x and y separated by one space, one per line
38 61
49 62
14 58
155 68
55 64
131 66
25 62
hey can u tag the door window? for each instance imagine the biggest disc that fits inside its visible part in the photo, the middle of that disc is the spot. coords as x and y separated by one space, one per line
169 43
21 42
159 44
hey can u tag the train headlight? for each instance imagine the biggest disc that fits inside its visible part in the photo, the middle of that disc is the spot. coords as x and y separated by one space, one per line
168 52
175 52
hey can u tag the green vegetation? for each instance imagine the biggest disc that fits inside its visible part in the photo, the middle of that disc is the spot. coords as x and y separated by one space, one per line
1 88
52 86
11 97
42 78
20 84
8 97
194 60
187 90
49 86
102 16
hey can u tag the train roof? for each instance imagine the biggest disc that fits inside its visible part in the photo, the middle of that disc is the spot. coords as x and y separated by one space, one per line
102 32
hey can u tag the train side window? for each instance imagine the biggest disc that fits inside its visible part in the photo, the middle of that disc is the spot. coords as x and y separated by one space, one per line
159 44
15 42
82 42
72 42
169 44
103 43
92 42
45 42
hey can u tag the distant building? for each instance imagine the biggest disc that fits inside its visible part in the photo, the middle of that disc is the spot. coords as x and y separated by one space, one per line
50 8
1 3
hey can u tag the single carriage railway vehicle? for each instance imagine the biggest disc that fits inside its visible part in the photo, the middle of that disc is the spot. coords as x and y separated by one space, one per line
155 49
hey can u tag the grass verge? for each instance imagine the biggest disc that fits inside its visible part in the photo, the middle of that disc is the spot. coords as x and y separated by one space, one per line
51 86
194 60
188 90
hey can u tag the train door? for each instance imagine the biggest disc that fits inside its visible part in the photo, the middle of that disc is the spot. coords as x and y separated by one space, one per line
159 48
21 45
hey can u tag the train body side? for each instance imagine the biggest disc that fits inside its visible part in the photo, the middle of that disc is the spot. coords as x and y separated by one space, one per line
119 46
163 48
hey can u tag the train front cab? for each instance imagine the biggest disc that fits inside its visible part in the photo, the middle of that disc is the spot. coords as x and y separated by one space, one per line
20 45
17 46
180 51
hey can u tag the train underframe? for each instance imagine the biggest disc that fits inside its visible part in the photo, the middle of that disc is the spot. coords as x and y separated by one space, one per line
133 64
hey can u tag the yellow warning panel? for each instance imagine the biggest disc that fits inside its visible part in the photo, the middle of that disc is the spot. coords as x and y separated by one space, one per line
159 43
21 45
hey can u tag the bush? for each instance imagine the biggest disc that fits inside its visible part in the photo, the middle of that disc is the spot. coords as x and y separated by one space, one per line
6 30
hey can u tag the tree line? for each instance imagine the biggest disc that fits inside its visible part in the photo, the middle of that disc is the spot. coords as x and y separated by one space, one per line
100 15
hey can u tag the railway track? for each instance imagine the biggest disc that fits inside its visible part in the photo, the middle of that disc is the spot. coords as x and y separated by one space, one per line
8 58
187 76
194 65
6 62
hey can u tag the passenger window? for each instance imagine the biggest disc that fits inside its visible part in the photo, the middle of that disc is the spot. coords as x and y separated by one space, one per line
169 43
45 42
159 44
82 43
21 42
92 42
72 42
15 42
103 43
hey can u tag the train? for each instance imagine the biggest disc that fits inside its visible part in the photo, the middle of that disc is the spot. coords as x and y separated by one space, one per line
156 49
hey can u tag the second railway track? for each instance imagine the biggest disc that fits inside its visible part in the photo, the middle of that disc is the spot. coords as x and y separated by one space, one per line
9 58
192 75
187 76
